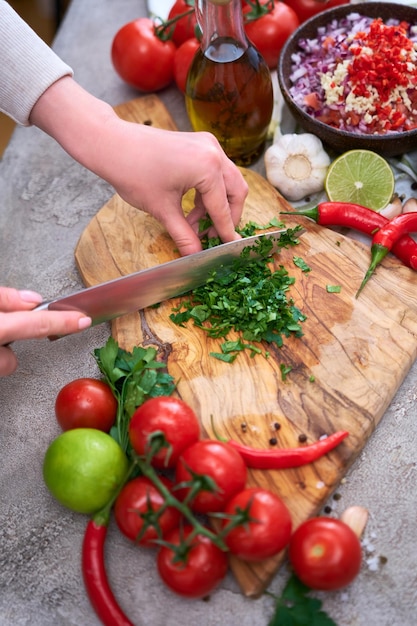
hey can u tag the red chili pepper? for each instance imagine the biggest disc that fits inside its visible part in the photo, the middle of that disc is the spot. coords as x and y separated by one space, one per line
386 238
362 219
95 576
288 457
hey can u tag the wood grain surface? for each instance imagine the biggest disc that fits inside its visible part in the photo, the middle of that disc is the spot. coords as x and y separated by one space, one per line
345 369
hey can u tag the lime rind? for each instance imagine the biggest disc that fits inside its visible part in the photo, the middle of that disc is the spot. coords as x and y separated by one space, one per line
360 177
83 468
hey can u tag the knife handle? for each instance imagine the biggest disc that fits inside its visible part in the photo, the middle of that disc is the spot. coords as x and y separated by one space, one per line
43 306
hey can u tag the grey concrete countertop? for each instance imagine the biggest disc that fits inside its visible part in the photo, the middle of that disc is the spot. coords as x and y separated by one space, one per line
46 201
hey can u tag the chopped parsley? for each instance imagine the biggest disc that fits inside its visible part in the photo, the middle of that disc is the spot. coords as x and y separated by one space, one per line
285 370
299 262
247 297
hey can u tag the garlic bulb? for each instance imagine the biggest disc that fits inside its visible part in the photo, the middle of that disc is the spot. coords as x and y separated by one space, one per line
297 165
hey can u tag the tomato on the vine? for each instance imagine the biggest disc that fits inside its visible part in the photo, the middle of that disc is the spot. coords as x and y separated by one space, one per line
184 56
136 511
184 27
325 553
171 417
204 565
307 8
219 462
270 25
267 530
142 58
86 403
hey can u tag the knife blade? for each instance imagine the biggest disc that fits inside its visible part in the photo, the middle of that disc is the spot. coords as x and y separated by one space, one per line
133 292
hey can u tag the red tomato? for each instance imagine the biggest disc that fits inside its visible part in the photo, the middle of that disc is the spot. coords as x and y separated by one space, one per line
171 416
141 58
184 56
307 8
204 567
269 531
135 508
185 26
219 462
86 403
325 553
270 31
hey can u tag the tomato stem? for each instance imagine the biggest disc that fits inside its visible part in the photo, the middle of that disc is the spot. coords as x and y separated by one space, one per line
170 500
258 10
165 30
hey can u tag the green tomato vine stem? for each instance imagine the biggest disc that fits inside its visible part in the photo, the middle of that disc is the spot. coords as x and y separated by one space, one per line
170 501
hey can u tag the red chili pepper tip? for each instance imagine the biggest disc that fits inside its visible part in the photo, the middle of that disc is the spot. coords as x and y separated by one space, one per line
95 577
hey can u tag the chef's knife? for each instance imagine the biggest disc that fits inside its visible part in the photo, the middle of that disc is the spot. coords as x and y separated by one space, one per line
151 286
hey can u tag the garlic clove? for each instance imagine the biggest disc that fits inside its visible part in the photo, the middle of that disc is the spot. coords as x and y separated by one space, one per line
393 209
410 205
356 517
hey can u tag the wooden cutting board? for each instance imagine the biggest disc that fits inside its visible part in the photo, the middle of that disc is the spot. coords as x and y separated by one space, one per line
345 370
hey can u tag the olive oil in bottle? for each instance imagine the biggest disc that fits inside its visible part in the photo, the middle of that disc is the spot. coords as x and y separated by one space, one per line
229 88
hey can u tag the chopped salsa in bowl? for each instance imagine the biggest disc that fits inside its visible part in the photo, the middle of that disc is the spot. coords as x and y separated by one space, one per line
358 74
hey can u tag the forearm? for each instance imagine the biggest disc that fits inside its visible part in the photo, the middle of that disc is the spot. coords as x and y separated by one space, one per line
28 66
78 121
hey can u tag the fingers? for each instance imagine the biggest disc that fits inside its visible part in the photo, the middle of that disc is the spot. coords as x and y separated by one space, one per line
40 324
8 361
14 300
222 194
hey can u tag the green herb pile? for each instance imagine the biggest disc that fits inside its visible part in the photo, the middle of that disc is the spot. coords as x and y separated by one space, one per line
247 297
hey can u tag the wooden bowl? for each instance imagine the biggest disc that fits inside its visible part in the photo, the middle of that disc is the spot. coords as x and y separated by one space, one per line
392 144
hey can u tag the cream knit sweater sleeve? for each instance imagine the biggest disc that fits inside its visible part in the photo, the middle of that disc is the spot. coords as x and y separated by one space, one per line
27 66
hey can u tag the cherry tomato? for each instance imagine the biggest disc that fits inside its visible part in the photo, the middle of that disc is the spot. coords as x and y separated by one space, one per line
218 461
185 27
270 31
136 507
86 403
325 553
184 56
307 8
269 531
141 58
171 416
204 567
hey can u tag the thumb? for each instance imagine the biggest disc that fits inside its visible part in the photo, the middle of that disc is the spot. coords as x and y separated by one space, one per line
182 233
8 361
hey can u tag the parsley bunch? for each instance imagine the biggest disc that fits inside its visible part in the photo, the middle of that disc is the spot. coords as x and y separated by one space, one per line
295 607
133 378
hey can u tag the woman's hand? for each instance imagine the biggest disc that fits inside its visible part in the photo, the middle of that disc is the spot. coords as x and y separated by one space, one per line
17 321
149 168
158 167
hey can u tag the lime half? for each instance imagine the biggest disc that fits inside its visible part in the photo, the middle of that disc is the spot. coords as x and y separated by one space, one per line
361 177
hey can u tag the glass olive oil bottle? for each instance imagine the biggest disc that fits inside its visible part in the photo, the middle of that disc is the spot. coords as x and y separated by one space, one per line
229 88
